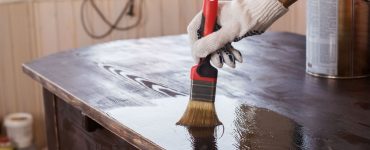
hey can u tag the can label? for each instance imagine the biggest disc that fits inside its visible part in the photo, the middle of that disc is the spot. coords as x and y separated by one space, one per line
322 37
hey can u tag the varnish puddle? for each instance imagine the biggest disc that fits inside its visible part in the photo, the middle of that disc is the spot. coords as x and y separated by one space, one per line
244 127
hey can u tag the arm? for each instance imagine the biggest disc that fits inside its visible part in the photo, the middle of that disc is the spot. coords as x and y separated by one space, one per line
287 3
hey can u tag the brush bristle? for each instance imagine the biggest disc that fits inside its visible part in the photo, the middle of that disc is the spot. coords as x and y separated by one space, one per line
200 114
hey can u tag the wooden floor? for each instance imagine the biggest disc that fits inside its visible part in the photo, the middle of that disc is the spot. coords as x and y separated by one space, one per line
35 28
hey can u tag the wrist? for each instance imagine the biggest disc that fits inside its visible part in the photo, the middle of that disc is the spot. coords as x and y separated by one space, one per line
287 3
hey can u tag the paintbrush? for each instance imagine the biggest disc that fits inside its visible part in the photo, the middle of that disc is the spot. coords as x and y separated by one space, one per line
201 111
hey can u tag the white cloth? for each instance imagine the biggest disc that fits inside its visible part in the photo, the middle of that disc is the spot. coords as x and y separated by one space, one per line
238 19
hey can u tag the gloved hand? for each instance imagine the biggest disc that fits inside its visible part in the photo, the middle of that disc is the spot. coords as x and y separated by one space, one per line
238 19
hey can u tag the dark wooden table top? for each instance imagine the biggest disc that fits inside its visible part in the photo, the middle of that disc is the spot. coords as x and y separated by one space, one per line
138 89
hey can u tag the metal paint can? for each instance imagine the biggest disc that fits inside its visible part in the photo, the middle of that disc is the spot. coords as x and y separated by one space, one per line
338 35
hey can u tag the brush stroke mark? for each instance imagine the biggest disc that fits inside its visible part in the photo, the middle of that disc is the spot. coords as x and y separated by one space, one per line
353 139
363 124
157 87
256 128
111 102
363 105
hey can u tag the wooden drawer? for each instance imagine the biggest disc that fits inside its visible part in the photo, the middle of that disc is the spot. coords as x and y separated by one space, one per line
78 132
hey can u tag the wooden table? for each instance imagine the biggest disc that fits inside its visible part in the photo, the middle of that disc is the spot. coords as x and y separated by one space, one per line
129 94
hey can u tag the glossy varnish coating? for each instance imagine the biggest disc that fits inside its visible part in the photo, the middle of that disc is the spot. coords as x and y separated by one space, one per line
243 127
104 80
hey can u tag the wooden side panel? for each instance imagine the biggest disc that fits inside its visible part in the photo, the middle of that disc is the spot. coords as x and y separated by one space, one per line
294 20
18 92
47 27
170 11
2 94
82 39
23 49
98 26
36 103
299 18
115 8
141 27
7 82
65 25
188 9
154 19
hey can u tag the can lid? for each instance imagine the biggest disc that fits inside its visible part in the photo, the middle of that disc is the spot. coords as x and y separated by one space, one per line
18 120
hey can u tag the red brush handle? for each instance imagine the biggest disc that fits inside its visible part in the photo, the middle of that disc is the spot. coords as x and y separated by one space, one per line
204 71
210 8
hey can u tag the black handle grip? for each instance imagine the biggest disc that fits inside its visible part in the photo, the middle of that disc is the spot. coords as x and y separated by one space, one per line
205 69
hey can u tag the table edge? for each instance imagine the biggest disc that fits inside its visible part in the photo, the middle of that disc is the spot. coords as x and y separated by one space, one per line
103 119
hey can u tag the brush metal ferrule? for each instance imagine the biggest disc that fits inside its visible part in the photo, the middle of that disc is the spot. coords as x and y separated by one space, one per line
203 91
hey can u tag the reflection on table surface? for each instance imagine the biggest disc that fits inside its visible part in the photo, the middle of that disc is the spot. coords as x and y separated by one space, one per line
244 127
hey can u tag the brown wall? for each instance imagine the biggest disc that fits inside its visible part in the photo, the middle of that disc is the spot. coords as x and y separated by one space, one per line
31 29
294 20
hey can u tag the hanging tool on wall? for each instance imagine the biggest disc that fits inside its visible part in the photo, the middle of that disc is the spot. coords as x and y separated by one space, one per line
201 108
128 9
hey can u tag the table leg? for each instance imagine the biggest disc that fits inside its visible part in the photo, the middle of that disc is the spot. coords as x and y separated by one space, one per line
51 120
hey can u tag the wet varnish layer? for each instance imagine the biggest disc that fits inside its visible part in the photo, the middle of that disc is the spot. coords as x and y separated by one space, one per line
244 127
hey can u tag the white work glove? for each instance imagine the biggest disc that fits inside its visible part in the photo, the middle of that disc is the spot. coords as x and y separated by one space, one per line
238 19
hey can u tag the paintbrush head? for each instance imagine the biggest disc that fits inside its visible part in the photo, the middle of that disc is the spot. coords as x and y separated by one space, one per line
201 110
200 114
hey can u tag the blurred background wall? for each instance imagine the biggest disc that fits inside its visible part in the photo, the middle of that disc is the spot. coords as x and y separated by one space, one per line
31 29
